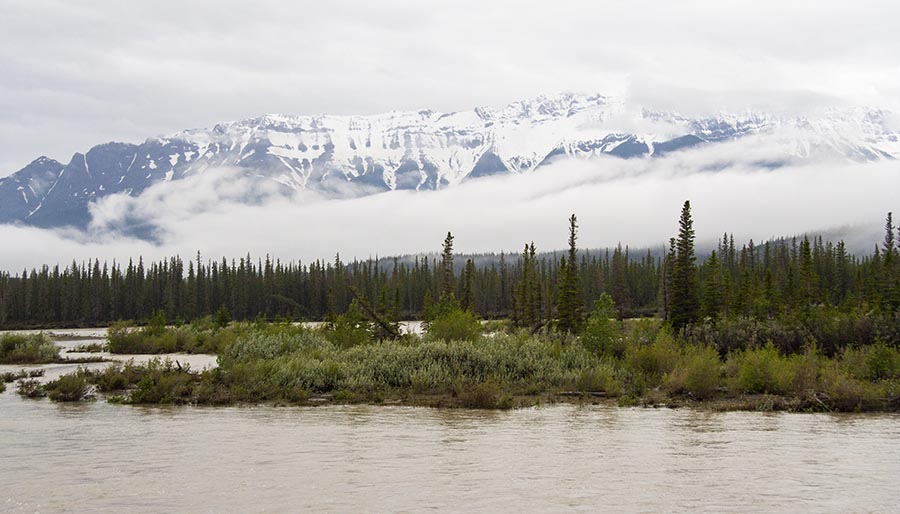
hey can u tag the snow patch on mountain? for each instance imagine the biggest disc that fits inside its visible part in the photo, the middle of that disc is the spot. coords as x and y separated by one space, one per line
356 155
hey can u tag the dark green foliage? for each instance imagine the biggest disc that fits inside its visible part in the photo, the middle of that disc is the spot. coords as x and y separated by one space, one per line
447 267
468 296
116 377
351 328
569 306
163 383
30 388
27 349
602 334
73 387
527 311
684 298
223 317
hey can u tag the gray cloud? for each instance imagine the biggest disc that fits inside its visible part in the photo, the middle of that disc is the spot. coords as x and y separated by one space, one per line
76 74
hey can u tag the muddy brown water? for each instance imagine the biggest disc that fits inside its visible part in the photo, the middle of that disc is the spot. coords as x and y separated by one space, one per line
99 457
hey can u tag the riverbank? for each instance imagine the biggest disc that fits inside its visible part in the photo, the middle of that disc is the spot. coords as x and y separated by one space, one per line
290 365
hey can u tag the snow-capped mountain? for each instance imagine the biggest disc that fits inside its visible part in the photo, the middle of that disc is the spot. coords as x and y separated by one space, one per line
355 155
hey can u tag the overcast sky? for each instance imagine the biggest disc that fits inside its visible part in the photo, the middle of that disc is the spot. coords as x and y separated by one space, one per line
75 74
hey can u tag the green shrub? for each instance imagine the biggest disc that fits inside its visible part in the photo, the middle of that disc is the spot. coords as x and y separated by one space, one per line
761 370
807 369
656 359
30 388
201 336
73 387
599 379
455 325
123 339
698 372
484 396
876 362
266 346
603 332
163 383
27 349
882 362
844 392
350 329
117 377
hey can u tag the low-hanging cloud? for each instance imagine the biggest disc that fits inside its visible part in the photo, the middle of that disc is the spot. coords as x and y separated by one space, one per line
635 202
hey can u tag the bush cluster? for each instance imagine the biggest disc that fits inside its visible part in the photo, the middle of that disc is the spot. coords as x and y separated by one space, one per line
27 349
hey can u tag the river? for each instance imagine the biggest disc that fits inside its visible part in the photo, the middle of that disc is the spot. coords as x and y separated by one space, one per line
98 457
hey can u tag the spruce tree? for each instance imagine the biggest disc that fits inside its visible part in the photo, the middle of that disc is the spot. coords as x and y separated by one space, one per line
889 289
527 302
668 280
713 294
569 303
447 267
468 296
685 298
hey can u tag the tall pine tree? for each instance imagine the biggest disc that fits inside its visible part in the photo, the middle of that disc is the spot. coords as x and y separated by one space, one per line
684 294
569 307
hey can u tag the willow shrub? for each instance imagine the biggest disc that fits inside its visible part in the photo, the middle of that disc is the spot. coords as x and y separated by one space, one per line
760 370
698 372
73 387
873 363
454 325
27 349
201 336
654 361
310 362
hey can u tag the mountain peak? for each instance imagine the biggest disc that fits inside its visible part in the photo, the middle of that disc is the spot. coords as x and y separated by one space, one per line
346 155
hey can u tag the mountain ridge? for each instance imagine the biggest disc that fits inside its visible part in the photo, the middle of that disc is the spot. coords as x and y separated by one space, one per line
347 156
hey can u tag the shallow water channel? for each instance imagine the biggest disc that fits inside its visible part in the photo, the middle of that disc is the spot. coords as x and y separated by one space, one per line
98 457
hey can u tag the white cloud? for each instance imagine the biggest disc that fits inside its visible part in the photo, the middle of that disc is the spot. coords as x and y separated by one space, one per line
635 202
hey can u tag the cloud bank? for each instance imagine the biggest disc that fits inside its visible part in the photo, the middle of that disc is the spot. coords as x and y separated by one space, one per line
635 202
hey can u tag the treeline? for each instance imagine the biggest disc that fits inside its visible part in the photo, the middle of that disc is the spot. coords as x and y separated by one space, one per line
762 281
